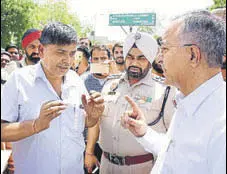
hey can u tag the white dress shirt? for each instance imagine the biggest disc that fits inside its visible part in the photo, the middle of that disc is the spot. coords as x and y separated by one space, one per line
58 149
196 140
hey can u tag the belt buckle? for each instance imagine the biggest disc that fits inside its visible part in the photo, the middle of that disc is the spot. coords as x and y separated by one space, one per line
117 160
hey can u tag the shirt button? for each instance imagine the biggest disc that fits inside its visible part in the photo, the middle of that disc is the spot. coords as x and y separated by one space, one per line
115 138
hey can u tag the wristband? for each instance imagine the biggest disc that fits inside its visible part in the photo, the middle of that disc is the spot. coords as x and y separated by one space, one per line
90 154
33 126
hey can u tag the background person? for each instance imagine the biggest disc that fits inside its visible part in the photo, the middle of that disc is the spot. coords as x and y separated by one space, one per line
30 44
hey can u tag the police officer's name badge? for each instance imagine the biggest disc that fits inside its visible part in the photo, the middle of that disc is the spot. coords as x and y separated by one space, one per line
143 99
113 88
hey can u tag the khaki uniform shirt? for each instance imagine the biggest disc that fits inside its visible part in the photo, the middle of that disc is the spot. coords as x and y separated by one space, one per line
116 140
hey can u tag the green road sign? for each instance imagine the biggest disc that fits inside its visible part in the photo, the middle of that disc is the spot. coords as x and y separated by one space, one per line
132 19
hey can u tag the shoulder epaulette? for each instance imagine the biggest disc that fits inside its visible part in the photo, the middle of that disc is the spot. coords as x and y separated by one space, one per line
159 79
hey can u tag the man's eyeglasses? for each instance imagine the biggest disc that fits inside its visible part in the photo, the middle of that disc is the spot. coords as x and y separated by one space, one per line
164 49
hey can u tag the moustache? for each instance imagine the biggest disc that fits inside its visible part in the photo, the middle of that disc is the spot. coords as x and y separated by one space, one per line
120 60
135 67
34 55
64 65
120 57
134 74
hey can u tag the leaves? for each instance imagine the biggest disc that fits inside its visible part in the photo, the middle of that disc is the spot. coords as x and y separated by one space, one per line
218 4
14 19
19 15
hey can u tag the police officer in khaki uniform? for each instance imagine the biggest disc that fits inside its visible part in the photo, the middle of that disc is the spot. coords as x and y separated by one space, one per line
122 154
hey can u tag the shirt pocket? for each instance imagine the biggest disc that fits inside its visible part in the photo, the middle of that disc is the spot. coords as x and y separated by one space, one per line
28 111
111 101
76 122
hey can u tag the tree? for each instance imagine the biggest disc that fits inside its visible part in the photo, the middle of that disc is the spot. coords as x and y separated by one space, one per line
86 29
56 11
19 15
15 19
218 4
147 29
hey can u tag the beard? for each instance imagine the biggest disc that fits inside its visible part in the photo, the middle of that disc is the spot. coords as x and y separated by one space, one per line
140 74
120 60
33 57
157 67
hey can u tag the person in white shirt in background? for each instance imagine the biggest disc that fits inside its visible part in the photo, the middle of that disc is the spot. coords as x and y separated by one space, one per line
192 50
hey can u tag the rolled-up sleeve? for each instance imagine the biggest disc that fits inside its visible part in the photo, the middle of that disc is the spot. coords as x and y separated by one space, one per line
153 141
9 100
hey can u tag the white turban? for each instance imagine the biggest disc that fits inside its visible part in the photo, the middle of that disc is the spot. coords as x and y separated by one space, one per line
144 42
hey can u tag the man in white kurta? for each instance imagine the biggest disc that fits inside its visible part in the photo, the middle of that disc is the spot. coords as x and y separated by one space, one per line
192 48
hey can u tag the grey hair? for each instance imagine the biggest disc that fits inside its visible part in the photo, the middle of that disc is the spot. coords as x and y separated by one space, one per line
206 31
58 33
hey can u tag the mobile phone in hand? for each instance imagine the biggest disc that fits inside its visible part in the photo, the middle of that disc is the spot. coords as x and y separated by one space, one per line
100 68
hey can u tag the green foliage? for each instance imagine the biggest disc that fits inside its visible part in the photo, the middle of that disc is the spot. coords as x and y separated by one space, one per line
19 15
218 4
147 29
86 30
57 11
15 19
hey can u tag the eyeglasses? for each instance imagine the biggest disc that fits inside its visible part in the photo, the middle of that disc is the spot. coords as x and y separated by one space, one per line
164 49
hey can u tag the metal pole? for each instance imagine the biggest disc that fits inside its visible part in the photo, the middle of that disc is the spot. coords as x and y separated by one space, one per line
124 30
130 29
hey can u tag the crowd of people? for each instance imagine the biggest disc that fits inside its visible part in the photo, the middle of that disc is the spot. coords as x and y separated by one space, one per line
146 105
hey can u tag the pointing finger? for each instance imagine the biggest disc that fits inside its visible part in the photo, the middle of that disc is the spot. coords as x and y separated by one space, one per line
133 104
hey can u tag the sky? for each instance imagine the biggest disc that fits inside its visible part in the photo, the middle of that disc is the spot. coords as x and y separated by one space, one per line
96 12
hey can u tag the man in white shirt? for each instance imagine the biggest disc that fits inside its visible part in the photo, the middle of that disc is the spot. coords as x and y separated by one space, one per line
45 108
192 50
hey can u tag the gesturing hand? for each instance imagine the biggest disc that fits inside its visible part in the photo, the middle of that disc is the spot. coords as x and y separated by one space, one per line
94 106
48 112
135 120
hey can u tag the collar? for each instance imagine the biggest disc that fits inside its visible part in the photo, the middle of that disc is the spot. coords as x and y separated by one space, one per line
71 78
195 99
39 73
23 62
147 80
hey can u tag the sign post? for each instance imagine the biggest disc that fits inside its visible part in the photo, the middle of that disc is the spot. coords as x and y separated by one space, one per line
132 19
